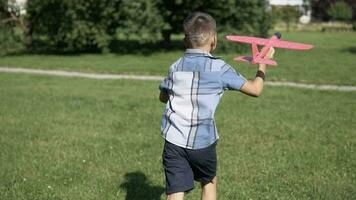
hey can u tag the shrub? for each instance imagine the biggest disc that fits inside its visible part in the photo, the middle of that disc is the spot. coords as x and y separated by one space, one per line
11 40
90 24
340 11
93 24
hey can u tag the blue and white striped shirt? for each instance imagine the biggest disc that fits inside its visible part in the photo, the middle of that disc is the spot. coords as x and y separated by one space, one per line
195 83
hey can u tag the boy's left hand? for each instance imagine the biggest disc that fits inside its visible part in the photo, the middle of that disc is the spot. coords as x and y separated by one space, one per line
270 53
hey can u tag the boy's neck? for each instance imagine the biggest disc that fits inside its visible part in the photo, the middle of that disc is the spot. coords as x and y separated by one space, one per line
206 48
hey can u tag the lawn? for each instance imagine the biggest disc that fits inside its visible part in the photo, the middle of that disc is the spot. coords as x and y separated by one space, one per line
71 138
332 61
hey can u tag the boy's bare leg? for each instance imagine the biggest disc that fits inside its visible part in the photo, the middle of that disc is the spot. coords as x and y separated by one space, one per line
176 196
209 190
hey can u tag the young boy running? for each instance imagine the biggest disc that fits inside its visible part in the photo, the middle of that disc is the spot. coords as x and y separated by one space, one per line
192 91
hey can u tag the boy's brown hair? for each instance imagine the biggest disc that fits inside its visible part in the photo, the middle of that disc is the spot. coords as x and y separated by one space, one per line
198 28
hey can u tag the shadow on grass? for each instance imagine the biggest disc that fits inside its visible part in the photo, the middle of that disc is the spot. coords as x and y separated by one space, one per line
137 187
120 47
115 47
350 50
137 47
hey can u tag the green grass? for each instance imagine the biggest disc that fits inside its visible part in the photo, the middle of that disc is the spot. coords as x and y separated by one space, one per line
331 62
69 138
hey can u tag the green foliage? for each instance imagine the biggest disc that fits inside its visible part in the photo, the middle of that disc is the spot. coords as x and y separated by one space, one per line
11 40
73 25
140 20
91 24
242 16
232 16
340 11
94 24
11 27
321 8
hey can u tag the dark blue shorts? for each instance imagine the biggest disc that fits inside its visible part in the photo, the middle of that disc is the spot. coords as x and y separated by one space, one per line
183 166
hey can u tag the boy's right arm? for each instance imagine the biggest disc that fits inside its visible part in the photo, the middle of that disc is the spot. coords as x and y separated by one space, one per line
254 87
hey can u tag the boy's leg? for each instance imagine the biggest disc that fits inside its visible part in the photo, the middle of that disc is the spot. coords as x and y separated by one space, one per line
176 196
204 163
209 190
178 173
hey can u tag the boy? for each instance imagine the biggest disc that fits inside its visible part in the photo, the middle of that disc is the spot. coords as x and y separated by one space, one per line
192 91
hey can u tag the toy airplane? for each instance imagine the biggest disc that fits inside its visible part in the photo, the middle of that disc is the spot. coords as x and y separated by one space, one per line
274 41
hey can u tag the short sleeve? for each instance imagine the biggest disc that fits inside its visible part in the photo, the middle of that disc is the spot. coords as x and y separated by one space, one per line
165 83
231 79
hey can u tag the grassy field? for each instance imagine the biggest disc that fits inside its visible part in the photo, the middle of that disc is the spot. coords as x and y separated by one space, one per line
69 138
331 62
72 138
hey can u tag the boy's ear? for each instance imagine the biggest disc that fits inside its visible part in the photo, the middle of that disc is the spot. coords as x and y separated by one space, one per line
214 42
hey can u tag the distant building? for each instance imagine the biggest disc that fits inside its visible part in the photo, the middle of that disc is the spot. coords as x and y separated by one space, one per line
286 2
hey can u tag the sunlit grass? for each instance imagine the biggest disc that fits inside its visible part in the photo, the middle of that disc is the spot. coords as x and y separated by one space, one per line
69 138
332 61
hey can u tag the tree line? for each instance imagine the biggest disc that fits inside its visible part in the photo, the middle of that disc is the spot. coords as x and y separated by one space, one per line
82 25
93 24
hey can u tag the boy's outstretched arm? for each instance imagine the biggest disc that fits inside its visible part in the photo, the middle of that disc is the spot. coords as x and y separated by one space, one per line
163 97
254 87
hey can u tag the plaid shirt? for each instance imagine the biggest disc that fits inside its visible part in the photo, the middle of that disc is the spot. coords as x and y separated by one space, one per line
195 84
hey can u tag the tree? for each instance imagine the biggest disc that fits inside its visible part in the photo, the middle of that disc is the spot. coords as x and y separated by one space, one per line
91 24
173 13
340 11
247 16
288 14
141 19
13 26
72 25
10 13
320 8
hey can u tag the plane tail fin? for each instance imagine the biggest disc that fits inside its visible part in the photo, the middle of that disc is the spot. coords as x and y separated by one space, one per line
244 58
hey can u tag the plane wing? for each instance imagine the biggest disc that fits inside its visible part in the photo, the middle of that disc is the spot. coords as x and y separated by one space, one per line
275 43
291 45
249 40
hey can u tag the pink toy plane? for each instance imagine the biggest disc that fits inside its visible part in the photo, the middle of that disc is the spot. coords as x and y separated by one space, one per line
274 41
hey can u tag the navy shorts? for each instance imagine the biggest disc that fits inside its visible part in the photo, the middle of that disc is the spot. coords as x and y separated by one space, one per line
183 166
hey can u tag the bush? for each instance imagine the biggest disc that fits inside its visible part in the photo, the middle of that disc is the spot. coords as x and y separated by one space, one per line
90 24
83 25
11 40
340 11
